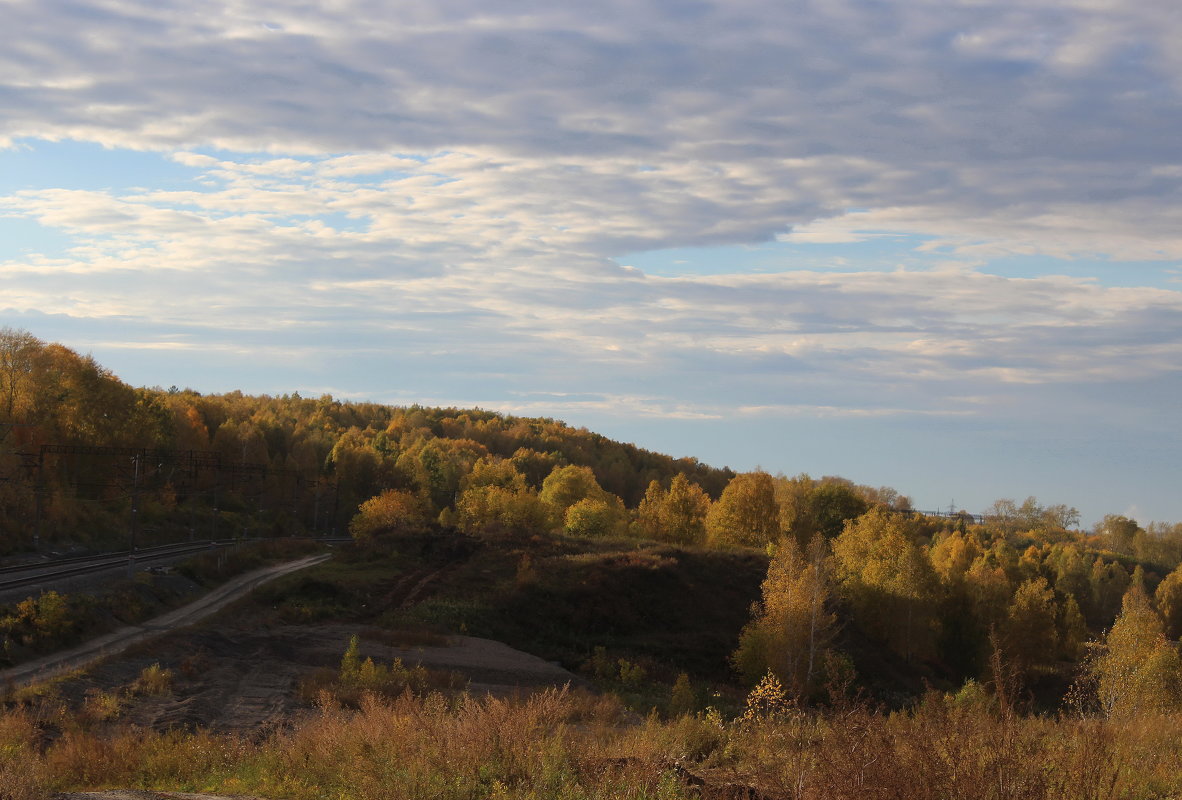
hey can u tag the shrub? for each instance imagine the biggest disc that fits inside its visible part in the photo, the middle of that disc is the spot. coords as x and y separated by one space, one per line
682 698
389 510
153 680
357 678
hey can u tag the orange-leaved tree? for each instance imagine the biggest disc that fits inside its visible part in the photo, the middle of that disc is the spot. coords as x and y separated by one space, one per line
390 510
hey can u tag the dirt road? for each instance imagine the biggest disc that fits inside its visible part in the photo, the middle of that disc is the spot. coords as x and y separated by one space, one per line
118 641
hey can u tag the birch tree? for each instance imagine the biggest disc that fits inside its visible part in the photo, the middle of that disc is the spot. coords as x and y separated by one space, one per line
1137 670
792 626
746 514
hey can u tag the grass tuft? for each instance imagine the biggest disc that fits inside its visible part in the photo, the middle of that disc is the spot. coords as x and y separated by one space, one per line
153 680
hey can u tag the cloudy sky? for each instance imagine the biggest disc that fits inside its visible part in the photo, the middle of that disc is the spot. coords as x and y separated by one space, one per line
932 244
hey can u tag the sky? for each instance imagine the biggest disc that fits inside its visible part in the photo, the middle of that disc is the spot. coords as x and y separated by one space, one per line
932 244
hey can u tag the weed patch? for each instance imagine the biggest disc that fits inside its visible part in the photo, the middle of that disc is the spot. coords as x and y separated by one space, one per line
561 743
153 680
357 678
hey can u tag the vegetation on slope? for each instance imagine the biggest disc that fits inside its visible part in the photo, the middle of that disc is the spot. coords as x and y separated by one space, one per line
570 745
582 542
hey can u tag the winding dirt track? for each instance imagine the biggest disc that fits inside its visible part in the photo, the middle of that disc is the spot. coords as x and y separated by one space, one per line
45 668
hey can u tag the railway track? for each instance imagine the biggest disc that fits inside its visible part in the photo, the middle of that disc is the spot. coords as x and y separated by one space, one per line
25 575
119 640
15 577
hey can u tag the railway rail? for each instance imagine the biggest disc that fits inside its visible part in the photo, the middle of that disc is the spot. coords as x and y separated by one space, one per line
21 575
13 577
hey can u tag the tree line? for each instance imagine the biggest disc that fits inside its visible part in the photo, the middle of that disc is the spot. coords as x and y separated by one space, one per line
284 464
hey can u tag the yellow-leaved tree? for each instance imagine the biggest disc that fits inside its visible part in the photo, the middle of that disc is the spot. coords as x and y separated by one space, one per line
792 626
1169 602
675 515
746 514
578 503
596 517
1137 670
889 582
565 486
497 499
1030 634
18 353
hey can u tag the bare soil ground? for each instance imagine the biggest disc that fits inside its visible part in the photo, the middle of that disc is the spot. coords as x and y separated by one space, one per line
241 678
242 674
241 671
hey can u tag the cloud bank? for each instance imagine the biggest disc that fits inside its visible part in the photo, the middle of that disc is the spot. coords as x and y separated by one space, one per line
496 263
437 200
1061 113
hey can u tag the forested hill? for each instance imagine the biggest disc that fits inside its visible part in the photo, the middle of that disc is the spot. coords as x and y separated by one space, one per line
69 432
86 460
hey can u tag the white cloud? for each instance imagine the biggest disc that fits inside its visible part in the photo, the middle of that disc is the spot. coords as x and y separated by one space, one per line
500 265
444 185
976 110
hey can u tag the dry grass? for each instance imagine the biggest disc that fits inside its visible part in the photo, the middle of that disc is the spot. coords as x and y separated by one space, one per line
22 773
564 744
356 679
153 680
101 706
405 638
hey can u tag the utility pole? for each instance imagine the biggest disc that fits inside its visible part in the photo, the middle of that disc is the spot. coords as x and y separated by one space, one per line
336 506
135 513
213 522
316 510
38 493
